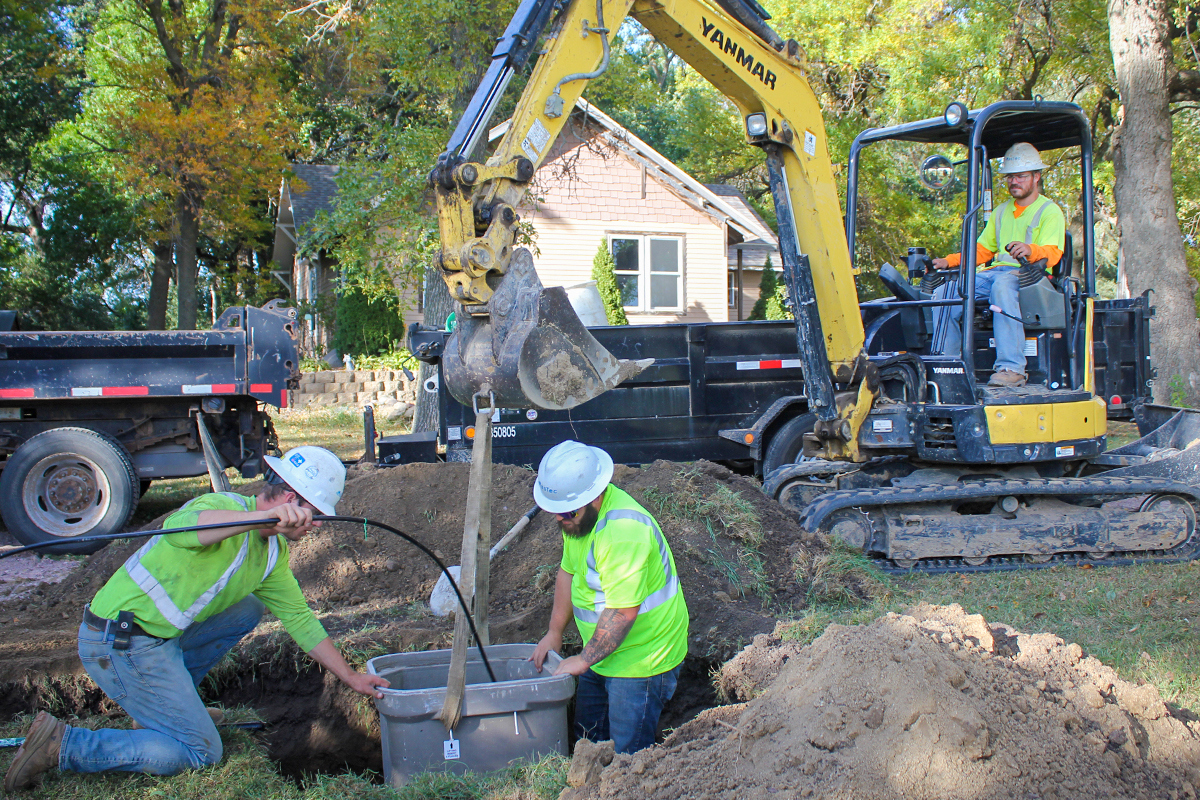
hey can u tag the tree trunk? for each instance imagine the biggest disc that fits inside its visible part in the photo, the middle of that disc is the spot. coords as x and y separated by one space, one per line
160 286
1152 251
185 260
438 305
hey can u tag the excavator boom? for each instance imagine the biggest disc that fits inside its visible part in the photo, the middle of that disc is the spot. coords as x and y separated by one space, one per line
524 341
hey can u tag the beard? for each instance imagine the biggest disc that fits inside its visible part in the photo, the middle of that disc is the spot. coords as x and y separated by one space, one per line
1021 194
582 524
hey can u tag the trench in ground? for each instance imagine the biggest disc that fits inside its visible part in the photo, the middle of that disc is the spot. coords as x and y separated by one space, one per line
313 724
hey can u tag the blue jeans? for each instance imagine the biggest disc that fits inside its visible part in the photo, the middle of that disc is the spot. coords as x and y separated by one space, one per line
999 286
625 710
155 682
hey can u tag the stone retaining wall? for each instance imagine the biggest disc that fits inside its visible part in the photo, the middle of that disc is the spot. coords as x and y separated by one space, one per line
362 387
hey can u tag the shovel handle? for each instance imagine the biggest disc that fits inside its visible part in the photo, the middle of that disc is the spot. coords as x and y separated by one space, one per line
520 525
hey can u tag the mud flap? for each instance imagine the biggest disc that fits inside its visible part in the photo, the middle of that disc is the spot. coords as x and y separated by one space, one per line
531 348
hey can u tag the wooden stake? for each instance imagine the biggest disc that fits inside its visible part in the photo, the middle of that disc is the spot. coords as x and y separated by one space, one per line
474 578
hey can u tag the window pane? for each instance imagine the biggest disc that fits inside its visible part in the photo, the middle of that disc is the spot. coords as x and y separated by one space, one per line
628 284
625 254
664 255
664 291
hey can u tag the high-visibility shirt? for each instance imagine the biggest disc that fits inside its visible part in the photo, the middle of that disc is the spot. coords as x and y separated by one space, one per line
174 581
625 562
1041 225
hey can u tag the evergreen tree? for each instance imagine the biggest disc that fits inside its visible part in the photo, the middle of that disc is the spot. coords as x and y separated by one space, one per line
606 282
768 288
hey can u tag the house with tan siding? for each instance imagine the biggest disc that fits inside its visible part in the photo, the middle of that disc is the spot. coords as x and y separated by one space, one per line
677 243
684 251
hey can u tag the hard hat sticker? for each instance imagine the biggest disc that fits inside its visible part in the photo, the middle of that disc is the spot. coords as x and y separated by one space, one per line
296 459
311 473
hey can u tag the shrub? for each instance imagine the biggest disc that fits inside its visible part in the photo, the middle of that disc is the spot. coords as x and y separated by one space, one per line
770 297
606 282
365 326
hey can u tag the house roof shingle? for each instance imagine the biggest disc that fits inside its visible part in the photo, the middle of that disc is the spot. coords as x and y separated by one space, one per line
736 197
317 197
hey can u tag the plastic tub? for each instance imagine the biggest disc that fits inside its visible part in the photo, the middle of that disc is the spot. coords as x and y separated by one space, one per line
522 715
585 299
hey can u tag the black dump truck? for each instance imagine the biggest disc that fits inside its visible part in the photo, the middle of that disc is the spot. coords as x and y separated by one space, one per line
734 391
89 418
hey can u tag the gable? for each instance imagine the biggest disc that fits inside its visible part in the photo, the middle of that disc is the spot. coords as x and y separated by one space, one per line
587 178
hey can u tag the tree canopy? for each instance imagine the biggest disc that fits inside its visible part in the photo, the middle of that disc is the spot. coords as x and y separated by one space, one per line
143 142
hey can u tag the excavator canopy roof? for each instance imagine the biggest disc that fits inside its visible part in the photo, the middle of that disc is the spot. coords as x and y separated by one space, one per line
1045 125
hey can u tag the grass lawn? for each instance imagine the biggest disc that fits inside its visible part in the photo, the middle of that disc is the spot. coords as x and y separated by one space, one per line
246 771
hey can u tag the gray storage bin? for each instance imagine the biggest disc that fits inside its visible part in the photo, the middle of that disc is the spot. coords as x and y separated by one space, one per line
522 715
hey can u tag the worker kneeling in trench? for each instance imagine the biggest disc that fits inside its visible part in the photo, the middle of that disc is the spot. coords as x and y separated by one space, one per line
175 608
618 579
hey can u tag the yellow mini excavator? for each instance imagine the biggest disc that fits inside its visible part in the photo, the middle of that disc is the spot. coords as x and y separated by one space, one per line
900 450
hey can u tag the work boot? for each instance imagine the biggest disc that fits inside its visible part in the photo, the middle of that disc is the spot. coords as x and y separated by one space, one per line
217 715
38 753
1007 378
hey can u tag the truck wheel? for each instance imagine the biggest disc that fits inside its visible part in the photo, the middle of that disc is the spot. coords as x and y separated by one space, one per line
66 483
787 442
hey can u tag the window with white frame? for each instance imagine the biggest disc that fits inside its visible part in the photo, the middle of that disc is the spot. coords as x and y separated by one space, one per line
649 271
733 289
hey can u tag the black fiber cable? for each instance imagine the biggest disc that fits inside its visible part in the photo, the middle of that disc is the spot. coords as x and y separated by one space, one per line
271 522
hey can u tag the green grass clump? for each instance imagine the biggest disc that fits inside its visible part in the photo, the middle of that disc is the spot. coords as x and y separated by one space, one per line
731 521
685 502
246 771
840 577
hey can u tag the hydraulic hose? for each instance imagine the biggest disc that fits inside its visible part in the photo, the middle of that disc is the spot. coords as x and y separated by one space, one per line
270 522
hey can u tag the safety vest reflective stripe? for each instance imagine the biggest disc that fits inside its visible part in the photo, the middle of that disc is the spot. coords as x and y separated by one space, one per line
272 556
1002 257
655 599
182 618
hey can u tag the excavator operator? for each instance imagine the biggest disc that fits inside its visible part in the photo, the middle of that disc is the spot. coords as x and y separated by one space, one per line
1030 227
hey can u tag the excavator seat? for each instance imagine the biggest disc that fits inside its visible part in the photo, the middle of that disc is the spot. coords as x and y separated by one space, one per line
1043 301
1044 304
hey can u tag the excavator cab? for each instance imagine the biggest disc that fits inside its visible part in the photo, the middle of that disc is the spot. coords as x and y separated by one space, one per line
956 191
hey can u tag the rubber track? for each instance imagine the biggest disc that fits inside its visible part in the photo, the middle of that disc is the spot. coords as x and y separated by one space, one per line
868 500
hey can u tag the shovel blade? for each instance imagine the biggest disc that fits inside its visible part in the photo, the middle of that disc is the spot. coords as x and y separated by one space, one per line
531 349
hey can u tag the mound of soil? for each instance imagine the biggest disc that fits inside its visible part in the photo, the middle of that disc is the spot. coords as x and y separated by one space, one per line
932 704
371 589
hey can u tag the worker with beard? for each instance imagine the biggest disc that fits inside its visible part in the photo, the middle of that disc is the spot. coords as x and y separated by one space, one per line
617 579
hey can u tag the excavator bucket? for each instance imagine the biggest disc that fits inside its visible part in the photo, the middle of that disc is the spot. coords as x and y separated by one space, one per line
531 350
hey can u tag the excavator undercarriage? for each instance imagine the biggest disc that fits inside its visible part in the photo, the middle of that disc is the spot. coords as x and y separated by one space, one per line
1136 503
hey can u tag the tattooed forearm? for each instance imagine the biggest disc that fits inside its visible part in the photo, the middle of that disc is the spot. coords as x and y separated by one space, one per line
610 632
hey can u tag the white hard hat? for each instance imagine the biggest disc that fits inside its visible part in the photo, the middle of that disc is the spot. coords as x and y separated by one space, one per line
314 473
570 476
1021 157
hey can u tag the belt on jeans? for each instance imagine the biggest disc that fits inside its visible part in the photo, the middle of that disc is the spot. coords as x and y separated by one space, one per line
109 626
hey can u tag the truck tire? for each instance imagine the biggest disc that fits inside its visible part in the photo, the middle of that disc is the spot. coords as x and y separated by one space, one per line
787 442
66 483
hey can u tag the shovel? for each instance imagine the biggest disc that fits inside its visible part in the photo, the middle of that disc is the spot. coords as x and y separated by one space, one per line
442 600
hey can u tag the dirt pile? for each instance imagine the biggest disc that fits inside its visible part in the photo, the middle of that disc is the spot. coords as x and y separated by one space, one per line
933 704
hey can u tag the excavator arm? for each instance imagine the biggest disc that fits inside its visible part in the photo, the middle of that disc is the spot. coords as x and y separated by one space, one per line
729 43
